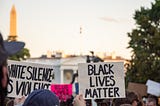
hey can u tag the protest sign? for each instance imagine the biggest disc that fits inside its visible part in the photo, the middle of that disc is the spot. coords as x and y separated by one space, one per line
137 88
101 80
153 88
63 91
24 77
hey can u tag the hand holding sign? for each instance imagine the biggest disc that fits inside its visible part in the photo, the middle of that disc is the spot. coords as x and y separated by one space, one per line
79 101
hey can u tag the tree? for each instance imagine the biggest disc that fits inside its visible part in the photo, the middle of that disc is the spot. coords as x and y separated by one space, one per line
145 45
22 55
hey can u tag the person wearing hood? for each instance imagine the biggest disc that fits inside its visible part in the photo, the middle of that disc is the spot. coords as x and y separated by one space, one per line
42 97
6 49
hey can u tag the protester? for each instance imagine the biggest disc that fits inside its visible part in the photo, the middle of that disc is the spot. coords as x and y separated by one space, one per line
152 101
102 102
42 98
130 100
133 98
121 102
6 49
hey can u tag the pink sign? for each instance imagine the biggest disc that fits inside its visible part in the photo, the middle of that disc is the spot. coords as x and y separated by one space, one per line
63 91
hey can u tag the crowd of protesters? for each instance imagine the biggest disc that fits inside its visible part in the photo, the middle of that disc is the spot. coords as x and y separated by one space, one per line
48 98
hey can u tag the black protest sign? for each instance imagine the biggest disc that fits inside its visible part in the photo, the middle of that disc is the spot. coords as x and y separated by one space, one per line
24 77
101 80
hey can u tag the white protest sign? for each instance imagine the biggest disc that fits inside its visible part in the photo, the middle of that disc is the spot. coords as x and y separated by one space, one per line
101 80
24 77
153 88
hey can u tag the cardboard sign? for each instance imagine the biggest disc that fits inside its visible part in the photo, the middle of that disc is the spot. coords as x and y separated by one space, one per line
26 77
153 88
101 80
63 91
138 88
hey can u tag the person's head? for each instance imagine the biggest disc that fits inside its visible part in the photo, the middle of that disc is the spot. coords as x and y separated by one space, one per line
133 98
126 105
102 102
121 101
6 49
41 98
152 101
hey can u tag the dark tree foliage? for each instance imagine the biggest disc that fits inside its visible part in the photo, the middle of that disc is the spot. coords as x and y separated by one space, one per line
145 45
